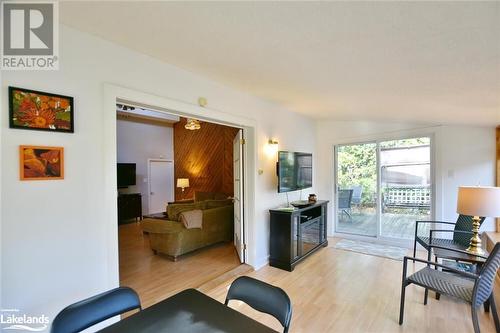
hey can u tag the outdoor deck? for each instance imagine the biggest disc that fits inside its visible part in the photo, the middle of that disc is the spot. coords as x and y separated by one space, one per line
393 225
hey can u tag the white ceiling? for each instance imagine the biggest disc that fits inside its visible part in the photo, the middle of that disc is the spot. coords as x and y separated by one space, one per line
429 62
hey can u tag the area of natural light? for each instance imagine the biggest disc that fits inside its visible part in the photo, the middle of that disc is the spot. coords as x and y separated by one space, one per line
396 173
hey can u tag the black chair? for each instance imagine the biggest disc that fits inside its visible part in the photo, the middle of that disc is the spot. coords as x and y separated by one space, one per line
262 297
462 234
84 314
475 289
345 202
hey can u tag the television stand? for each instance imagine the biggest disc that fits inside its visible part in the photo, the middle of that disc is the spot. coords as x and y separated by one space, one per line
297 233
129 207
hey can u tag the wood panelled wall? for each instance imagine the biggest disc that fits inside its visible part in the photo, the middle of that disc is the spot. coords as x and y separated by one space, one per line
205 156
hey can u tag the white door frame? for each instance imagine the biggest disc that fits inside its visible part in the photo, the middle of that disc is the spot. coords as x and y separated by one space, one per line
113 94
149 178
435 188
240 248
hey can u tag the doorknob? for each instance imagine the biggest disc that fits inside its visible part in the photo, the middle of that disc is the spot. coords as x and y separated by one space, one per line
152 193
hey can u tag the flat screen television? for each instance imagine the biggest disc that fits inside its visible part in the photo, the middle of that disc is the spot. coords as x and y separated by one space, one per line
294 171
125 174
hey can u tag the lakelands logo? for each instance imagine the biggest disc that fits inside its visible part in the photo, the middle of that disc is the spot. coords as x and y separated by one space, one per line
13 319
29 35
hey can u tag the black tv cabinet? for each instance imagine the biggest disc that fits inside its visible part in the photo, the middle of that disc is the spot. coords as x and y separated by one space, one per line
129 207
297 233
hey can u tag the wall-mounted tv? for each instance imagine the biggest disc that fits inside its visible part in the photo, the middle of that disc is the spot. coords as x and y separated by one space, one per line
125 174
294 171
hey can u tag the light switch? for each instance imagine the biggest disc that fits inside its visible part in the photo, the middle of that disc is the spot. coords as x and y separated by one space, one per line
144 180
451 173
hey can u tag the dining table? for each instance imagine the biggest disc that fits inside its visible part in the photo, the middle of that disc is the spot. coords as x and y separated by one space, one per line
188 311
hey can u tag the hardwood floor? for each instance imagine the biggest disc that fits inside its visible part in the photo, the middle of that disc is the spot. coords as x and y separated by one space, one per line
155 277
331 291
342 291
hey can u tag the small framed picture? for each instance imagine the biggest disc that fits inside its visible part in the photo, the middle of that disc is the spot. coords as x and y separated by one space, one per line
41 163
37 110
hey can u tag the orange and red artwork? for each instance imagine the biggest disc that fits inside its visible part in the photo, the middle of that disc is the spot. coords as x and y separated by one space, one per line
41 163
30 109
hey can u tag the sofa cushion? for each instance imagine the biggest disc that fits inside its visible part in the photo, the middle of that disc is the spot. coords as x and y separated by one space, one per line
220 196
174 210
203 196
218 203
161 226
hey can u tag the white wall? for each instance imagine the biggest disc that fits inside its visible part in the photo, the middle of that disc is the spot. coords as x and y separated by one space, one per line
54 244
467 157
136 142
463 155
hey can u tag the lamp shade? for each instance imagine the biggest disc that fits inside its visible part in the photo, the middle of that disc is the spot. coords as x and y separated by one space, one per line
479 201
182 182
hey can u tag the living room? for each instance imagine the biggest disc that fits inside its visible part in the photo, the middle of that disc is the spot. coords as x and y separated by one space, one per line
166 175
349 73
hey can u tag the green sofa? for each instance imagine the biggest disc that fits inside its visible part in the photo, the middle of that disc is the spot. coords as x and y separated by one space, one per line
171 238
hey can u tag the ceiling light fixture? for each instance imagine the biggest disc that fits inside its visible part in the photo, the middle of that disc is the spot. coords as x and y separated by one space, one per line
192 124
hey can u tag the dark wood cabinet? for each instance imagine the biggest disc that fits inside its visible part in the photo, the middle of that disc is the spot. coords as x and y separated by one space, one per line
297 233
129 207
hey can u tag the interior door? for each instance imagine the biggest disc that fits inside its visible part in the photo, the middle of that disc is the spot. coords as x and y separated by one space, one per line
161 185
238 195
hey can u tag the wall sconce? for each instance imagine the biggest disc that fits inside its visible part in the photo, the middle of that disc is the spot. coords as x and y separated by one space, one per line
272 147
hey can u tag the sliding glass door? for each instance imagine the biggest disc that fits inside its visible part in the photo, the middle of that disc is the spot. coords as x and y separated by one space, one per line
383 187
357 189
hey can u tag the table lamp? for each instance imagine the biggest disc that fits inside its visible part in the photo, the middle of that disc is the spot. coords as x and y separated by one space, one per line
182 183
478 201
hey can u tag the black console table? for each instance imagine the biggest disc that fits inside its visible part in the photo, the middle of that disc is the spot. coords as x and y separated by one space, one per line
297 233
129 207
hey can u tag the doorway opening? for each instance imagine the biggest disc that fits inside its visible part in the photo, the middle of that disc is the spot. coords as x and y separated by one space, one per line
383 187
189 181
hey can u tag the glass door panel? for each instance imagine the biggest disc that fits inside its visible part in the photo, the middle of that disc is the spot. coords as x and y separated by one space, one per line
405 186
357 189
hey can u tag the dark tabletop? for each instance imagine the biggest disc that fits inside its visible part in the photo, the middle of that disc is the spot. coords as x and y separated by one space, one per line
188 311
453 255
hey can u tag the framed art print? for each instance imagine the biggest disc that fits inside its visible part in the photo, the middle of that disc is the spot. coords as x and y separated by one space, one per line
37 110
41 163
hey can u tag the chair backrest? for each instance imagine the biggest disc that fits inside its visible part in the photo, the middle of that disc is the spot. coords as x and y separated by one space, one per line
484 284
84 314
464 223
357 191
262 297
344 199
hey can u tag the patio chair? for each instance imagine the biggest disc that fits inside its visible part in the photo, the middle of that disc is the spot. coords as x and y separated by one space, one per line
344 202
462 234
357 191
475 289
